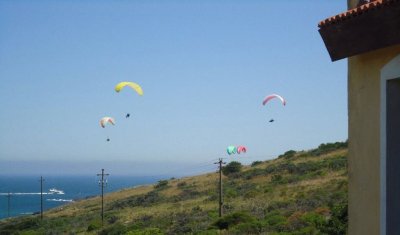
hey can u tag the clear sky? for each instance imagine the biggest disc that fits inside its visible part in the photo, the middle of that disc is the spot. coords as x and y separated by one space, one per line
205 67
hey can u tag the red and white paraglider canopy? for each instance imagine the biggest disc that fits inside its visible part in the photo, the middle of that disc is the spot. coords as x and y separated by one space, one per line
272 96
241 149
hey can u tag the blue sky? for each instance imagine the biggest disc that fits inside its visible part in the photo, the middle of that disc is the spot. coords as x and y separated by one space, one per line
204 66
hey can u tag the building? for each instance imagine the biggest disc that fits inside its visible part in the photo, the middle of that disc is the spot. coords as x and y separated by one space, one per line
368 34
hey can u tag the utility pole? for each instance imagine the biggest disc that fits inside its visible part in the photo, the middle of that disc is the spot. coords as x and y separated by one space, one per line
221 201
41 197
8 204
101 184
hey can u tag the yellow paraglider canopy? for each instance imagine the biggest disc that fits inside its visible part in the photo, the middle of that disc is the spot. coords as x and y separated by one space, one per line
133 85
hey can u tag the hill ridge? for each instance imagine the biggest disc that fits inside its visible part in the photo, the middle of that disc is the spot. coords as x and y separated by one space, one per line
303 192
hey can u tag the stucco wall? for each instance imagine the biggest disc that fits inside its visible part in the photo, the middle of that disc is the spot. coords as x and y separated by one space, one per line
352 3
364 139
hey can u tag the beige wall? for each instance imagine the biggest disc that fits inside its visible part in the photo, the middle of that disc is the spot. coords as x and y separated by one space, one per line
352 3
364 139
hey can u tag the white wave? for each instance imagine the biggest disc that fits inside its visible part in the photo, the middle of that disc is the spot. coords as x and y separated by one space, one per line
59 200
56 191
24 193
26 213
50 192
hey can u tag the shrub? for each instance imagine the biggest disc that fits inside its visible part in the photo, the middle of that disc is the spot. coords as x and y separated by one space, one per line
255 163
148 199
208 232
161 184
251 194
181 184
276 221
180 224
196 209
233 219
186 194
313 218
27 232
281 168
271 169
324 211
115 229
277 206
9 232
28 223
253 172
294 221
228 208
94 225
212 197
232 168
278 179
254 227
307 167
146 231
112 219
305 231
328 147
338 222
337 163
291 179
303 155
288 154
230 192
212 214
140 200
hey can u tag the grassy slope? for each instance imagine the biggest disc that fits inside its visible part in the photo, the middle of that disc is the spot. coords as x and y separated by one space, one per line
293 194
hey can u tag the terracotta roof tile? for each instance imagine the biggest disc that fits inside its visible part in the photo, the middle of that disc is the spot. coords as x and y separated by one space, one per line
372 5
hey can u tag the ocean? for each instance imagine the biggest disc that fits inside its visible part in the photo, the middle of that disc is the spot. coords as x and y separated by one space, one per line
24 191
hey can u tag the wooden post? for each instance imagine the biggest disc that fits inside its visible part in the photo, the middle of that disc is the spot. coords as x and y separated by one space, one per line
221 201
102 194
8 204
41 197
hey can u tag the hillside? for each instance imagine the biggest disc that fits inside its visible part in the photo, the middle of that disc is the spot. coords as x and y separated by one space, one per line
298 193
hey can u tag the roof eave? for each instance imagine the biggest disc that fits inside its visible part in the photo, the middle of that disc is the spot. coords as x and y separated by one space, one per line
369 30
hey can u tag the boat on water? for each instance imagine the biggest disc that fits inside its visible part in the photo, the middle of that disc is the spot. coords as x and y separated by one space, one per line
55 191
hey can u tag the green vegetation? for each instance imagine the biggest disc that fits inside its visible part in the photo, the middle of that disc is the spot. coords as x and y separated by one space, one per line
298 193
326 148
255 163
161 184
232 168
233 219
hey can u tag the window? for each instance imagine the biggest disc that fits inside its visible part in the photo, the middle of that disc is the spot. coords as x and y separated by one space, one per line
390 147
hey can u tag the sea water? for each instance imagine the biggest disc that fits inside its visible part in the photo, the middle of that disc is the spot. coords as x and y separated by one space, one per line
20 195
